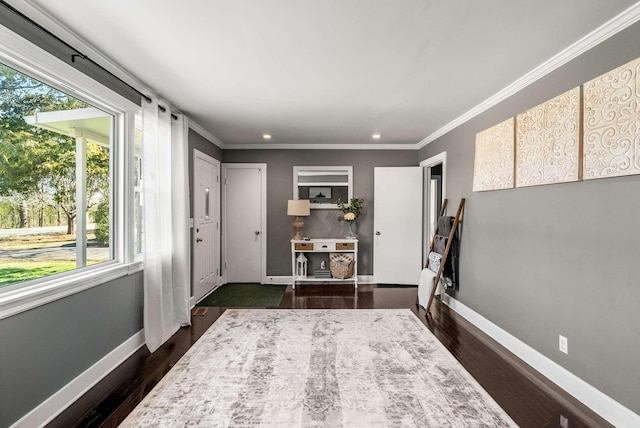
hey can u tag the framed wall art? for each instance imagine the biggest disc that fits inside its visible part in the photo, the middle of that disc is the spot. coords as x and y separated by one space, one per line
548 148
612 123
494 157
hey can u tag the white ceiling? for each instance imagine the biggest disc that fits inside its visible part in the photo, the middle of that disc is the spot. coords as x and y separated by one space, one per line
329 71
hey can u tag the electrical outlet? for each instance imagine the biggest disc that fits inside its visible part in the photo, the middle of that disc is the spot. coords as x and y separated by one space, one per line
564 344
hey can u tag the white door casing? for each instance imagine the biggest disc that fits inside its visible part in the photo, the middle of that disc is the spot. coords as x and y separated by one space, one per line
397 241
206 228
429 210
244 222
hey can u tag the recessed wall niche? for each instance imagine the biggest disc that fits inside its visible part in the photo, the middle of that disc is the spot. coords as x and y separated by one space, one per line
548 142
323 186
612 123
493 164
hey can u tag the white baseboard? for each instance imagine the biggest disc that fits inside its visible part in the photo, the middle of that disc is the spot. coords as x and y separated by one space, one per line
600 403
54 405
276 279
364 279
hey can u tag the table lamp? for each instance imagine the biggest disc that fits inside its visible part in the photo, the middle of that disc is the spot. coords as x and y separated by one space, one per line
298 207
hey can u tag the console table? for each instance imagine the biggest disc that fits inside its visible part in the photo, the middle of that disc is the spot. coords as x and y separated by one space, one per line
324 246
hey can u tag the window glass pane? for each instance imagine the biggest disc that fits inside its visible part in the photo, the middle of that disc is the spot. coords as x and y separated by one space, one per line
99 209
206 202
54 180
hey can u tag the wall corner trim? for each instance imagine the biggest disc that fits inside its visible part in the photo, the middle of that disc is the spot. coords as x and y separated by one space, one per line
68 394
616 24
600 403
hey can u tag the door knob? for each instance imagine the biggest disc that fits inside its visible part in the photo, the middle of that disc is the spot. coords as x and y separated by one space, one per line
257 232
198 239
378 232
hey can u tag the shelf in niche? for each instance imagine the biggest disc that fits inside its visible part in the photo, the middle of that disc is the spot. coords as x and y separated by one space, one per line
339 178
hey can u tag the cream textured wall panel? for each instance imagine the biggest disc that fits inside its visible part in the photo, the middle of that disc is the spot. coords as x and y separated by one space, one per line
612 123
548 141
493 164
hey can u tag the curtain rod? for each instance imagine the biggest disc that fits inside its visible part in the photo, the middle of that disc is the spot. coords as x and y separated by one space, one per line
164 110
77 53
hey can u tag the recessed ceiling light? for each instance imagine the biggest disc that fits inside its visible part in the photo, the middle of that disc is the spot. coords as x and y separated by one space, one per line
376 136
266 136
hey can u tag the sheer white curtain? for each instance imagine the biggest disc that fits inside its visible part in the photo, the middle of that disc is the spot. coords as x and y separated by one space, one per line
166 224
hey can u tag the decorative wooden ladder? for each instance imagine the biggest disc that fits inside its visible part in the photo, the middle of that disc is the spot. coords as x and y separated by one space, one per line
454 227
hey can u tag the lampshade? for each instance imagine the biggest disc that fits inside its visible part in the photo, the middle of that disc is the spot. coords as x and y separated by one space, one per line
298 207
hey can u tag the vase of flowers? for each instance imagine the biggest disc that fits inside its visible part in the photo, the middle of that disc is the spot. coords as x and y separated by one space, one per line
350 214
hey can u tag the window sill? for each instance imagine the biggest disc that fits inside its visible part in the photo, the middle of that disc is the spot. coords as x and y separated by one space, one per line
31 296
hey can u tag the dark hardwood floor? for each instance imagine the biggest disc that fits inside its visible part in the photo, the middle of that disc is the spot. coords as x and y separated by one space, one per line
530 399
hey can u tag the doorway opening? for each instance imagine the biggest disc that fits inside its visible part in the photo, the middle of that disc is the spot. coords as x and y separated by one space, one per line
434 192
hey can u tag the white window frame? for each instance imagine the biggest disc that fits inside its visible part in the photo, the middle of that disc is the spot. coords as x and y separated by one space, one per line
24 56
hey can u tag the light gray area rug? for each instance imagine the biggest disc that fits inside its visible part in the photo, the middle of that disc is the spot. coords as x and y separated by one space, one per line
318 368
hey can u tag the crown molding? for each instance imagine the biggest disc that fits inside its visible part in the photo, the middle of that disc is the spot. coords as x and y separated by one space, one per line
272 146
206 134
608 29
613 26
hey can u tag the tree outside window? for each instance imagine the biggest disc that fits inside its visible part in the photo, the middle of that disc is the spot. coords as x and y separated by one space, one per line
45 137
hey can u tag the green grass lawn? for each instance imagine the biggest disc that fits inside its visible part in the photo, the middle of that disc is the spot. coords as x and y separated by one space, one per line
12 271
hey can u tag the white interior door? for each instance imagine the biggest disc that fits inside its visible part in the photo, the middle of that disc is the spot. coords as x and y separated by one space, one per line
206 227
397 225
244 222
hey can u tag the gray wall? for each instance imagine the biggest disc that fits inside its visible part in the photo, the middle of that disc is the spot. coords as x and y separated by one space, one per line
557 259
198 142
321 223
43 349
538 262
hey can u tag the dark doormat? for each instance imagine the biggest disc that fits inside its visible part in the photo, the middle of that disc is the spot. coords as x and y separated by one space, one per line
245 295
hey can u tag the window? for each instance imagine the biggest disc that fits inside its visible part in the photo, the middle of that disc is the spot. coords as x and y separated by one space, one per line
66 221
54 180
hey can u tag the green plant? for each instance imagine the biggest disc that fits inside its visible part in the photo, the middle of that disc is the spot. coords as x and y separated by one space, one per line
101 218
352 211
